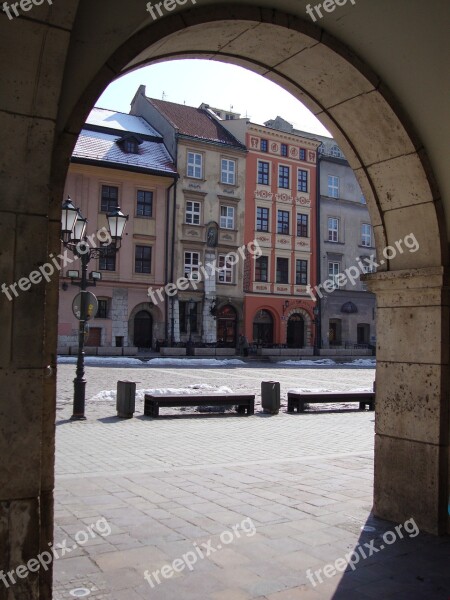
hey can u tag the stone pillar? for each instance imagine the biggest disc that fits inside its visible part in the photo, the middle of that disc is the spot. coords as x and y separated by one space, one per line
412 402
209 323
119 315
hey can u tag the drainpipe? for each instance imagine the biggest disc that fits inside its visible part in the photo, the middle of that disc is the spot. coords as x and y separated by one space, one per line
172 261
318 331
166 268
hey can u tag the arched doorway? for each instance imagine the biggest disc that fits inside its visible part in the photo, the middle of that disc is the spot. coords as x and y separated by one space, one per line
227 326
263 328
143 329
295 332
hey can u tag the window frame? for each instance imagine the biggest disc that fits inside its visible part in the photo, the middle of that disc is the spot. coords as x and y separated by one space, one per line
260 219
103 302
333 187
302 226
284 271
284 176
301 274
303 181
227 172
191 267
108 258
332 275
284 150
140 203
281 223
225 274
333 231
366 234
193 165
192 212
264 145
227 217
263 173
143 260
261 269
108 199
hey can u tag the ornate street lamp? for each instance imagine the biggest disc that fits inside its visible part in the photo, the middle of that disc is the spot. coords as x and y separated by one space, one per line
73 237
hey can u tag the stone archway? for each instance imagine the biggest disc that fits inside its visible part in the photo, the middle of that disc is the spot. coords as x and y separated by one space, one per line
393 170
307 326
66 63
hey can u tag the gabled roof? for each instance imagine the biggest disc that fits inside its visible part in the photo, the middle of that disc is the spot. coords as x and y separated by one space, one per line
117 121
195 123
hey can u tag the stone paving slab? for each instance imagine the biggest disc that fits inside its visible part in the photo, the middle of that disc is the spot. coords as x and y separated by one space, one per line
301 484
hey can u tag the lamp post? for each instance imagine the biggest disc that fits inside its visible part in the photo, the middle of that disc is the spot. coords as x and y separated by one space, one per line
316 311
73 237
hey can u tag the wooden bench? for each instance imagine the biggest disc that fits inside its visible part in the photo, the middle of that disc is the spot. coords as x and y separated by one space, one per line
245 403
298 400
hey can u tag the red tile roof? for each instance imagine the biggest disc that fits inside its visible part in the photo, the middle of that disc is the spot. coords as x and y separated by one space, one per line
195 122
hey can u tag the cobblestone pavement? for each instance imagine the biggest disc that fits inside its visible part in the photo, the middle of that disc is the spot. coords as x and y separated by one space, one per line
303 483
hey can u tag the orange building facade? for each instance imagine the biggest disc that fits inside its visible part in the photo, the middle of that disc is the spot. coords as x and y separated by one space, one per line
281 216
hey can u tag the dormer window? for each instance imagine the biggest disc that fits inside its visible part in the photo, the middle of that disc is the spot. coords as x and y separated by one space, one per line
130 144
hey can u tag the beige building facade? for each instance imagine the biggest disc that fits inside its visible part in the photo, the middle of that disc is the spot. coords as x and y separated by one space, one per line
208 223
105 174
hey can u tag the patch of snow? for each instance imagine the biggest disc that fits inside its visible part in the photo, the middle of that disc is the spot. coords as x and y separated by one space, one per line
308 363
362 362
193 362
111 395
100 360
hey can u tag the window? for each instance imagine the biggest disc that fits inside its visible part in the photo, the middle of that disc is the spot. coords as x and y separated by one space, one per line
143 259
368 264
192 212
302 180
130 147
103 308
264 145
302 154
302 225
107 261
283 222
334 269
284 150
184 317
227 217
110 198
262 219
366 235
191 265
283 177
144 204
335 151
194 165
228 171
282 270
301 272
263 172
333 229
225 274
262 269
333 186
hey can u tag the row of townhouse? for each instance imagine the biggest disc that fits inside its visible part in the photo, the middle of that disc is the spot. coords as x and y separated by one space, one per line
225 209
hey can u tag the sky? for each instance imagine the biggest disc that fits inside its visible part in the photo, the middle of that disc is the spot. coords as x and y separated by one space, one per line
220 85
